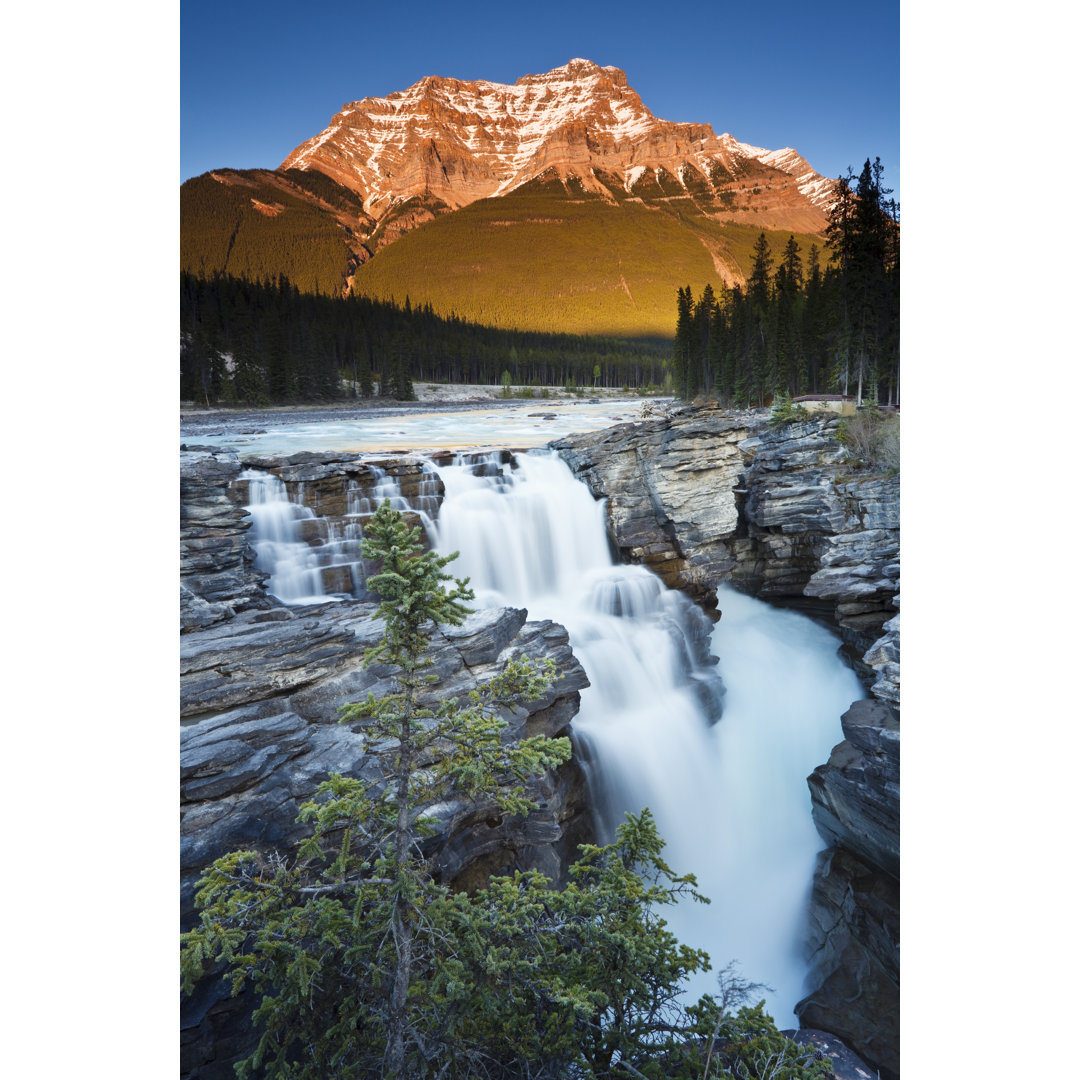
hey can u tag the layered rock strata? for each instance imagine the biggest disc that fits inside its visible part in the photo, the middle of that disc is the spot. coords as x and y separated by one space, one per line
217 566
705 498
260 692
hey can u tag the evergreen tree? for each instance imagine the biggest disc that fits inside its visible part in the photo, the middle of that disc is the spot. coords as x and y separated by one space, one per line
762 347
813 323
703 319
683 366
341 942
789 300
863 237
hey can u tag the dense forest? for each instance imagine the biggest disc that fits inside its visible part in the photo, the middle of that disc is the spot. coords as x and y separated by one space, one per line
829 324
263 342
810 320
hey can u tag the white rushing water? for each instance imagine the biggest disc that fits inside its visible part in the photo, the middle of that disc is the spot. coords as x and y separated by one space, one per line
311 560
528 424
279 537
730 797
728 791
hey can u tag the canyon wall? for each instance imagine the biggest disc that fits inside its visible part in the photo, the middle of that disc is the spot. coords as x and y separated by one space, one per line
706 497
703 498
261 686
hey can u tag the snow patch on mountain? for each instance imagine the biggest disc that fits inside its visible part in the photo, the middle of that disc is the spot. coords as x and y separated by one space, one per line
465 140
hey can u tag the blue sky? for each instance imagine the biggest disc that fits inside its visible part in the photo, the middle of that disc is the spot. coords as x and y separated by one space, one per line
257 79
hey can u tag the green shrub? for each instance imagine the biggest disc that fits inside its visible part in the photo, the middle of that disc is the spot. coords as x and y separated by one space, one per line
872 439
784 411
749 1046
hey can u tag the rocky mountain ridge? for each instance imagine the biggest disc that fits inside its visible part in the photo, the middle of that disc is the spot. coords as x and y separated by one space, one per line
458 141
559 203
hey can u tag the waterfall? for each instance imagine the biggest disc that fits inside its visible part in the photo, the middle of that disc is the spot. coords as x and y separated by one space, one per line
730 797
722 765
313 560
280 541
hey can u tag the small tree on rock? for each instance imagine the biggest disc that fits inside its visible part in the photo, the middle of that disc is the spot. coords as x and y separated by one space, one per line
340 941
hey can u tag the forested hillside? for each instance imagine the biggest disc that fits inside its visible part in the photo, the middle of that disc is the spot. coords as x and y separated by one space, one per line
555 257
263 342
809 320
258 224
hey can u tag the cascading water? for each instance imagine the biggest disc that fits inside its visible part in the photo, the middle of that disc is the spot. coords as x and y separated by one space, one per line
730 798
425 503
277 538
312 560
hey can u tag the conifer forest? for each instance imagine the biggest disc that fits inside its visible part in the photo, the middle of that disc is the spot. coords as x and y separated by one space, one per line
822 320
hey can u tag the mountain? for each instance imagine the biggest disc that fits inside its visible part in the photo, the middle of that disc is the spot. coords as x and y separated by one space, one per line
558 203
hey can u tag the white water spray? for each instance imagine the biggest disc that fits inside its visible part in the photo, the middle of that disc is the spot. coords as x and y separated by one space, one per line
730 797
278 538
312 560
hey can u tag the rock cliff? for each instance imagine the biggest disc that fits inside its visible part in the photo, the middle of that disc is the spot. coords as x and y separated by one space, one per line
707 498
704 498
260 691
449 142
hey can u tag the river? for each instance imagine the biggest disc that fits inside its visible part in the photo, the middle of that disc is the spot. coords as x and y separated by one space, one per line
718 747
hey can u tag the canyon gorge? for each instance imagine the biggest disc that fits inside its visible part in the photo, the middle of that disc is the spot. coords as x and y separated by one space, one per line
275 617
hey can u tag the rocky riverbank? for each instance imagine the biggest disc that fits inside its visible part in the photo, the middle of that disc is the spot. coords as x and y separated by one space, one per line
701 496
261 686
704 498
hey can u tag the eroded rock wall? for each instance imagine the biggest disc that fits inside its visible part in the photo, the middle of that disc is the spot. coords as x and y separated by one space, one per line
705 498
261 688
217 566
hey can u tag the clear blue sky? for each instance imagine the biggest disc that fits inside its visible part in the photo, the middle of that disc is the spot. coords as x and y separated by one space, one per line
258 78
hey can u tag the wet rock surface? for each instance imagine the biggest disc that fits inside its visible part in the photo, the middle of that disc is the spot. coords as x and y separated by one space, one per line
854 985
700 496
217 566
261 690
856 793
705 497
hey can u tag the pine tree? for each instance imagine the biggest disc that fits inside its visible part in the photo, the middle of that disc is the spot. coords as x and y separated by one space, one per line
789 301
762 347
703 319
683 367
863 237
337 940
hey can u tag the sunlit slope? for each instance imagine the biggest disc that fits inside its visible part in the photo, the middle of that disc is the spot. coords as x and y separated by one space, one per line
546 259
257 224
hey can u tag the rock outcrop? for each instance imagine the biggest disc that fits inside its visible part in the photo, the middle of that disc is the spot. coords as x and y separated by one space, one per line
217 571
705 498
260 692
854 931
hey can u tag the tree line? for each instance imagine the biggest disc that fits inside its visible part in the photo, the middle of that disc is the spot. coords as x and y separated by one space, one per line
262 342
831 323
